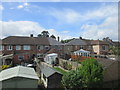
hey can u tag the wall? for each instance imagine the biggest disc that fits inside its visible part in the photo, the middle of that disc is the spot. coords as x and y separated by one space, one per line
20 83
96 48
74 64
54 81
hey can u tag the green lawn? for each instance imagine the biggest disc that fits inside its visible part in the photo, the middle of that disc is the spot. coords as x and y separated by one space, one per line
60 70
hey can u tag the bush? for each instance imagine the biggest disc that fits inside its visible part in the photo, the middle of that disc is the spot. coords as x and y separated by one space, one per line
69 66
5 66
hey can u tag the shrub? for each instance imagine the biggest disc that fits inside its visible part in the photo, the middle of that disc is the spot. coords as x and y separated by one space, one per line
5 66
69 66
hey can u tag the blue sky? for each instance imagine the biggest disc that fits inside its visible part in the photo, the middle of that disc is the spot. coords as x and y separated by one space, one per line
94 20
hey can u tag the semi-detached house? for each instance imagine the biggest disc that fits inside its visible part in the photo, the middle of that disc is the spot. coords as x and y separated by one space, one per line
25 48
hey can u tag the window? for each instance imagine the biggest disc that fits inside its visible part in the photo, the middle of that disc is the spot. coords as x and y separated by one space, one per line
1 47
18 47
47 47
103 47
9 47
40 55
89 47
20 58
40 47
26 47
81 47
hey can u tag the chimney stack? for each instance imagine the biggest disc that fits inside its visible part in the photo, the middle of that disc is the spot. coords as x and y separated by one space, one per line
31 35
58 38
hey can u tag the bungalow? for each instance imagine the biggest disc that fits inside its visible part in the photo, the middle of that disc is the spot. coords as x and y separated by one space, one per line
50 77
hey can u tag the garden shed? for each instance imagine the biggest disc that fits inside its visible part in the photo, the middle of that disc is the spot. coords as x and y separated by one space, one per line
50 58
19 77
51 77
82 52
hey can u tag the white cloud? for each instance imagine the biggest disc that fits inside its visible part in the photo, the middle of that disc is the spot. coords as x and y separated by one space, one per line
26 4
20 6
25 28
1 8
66 15
23 5
108 28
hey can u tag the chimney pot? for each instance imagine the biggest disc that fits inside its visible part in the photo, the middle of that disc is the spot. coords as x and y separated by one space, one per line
31 35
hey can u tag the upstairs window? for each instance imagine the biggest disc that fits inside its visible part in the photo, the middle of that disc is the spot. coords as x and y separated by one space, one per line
26 47
18 47
103 47
9 47
46 47
40 47
1 47
81 47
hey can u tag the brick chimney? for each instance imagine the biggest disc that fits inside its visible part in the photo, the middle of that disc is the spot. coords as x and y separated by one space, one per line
58 38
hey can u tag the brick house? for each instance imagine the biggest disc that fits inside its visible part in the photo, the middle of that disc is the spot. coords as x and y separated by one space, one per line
100 47
94 46
26 48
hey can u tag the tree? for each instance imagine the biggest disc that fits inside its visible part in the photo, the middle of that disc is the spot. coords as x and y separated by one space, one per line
88 75
116 50
39 35
92 73
45 33
52 36
72 79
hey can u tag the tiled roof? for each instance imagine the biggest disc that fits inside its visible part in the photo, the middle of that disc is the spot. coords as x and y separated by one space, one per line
105 62
48 71
18 71
98 42
14 40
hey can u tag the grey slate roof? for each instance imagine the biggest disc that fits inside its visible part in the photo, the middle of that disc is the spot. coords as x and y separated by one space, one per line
54 42
48 71
76 42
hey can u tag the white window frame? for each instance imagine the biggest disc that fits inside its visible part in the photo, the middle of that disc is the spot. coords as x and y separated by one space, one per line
81 47
40 47
104 47
9 47
18 47
46 47
1 47
26 47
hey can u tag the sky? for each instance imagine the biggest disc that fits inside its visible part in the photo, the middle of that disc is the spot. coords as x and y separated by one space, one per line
90 20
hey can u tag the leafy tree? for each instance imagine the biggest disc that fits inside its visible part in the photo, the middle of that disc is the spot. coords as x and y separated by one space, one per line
116 50
72 79
52 36
67 40
45 33
89 75
39 35
92 73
